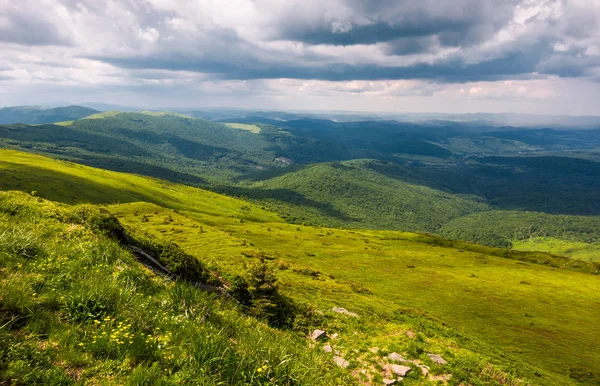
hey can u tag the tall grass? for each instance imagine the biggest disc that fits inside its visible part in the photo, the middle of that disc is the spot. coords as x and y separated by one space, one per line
82 309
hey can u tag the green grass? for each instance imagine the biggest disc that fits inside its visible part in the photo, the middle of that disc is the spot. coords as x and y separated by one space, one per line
574 249
105 114
243 126
73 183
527 321
508 305
77 308
517 307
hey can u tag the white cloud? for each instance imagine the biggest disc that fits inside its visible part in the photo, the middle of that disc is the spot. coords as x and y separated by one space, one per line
304 49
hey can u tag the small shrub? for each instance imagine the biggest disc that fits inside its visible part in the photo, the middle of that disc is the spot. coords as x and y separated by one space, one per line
98 219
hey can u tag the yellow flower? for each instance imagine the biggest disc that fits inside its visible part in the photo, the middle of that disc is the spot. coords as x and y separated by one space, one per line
80 344
259 369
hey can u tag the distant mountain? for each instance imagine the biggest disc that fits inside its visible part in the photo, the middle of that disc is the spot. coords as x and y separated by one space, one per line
40 115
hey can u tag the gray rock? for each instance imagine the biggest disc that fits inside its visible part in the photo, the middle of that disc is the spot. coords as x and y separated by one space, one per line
400 370
318 334
437 359
389 381
396 357
334 336
341 362
344 311
327 348
424 369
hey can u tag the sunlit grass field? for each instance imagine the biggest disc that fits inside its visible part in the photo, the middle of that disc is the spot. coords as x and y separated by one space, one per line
76 307
574 249
544 316
533 320
243 126
73 183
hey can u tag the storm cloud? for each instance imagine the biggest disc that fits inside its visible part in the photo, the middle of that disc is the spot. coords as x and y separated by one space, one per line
120 42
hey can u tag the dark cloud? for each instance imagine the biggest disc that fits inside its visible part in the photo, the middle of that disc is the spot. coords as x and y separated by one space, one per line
31 29
454 23
335 40
451 70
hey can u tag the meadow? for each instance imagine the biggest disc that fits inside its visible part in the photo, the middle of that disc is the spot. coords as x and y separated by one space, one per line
518 308
76 307
574 249
528 321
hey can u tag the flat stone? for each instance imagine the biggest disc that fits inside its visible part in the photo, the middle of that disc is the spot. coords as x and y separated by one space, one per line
396 357
400 370
344 311
374 350
410 334
334 336
327 348
424 369
389 381
318 334
341 362
437 359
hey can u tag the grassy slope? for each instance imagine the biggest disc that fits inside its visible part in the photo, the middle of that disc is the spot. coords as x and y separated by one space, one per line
77 308
574 249
242 126
484 296
73 183
517 307
361 197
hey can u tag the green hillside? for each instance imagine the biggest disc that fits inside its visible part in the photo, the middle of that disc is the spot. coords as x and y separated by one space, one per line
73 183
503 228
76 307
351 194
496 316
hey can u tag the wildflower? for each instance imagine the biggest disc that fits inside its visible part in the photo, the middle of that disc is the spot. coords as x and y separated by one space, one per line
260 370
80 344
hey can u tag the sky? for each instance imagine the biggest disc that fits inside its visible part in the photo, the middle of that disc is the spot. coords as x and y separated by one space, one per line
449 56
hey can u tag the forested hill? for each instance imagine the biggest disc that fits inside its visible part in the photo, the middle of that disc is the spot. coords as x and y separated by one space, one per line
352 194
39 115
